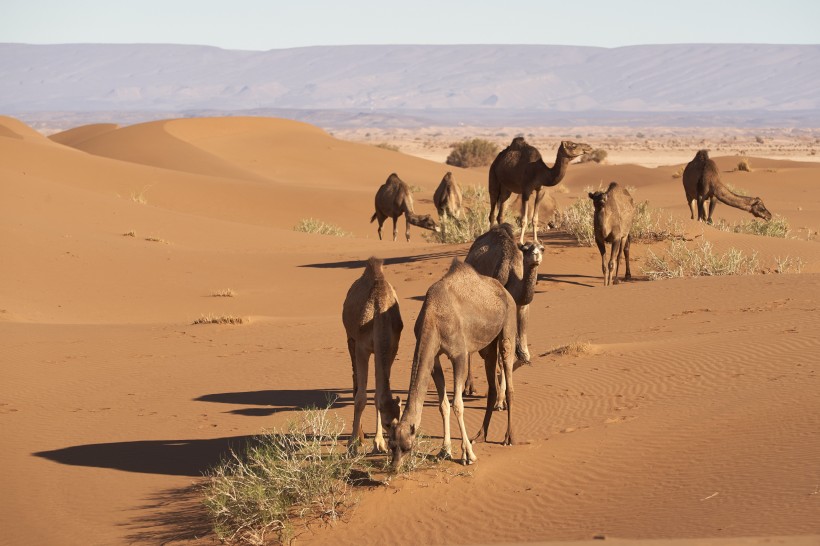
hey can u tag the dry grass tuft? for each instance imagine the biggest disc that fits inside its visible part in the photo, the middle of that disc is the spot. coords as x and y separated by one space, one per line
387 146
226 293
131 233
788 265
474 220
679 172
681 261
153 239
776 227
744 165
576 348
472 153
312 225
218 319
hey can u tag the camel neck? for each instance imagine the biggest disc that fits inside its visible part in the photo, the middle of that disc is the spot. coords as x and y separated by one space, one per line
559 169
523 289
419 378
732 199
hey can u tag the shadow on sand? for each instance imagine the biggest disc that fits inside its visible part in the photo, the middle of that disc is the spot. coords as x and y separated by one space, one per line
358 264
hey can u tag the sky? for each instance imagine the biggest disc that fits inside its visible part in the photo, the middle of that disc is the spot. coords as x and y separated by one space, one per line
272 24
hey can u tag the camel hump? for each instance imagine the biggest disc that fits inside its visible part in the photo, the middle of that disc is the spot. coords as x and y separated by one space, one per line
457 266
702 155
518 143
505 229
375 267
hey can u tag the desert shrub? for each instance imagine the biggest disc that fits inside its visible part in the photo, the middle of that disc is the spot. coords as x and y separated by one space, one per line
576 348
650 225
776 227
597 155
788 265
225 293
744 165
679 260
759 139
576 220
387 146
679 172
472 153
473 222
282 479
218 319
312 225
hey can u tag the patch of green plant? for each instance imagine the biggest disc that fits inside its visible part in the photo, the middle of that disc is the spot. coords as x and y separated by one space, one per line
312 225
776 227
679 260
472 153
474 219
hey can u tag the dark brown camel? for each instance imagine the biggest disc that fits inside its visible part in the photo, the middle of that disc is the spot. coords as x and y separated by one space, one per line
520 169
447 198
701 182
394 199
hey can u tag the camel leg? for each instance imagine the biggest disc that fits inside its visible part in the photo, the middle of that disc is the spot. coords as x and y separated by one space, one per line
407 227
503 195
522 319
381 223
444 408
712 205
691 210
539 196
501 388
602 250
385 349
525 200
508 360
628 243
459 370
621 244
701 210
395 230
615 249
359 398
490 356
469 385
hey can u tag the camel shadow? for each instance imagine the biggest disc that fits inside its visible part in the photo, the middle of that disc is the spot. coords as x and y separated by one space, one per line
556 238
561 279
358 264
170 457
279 400
172 515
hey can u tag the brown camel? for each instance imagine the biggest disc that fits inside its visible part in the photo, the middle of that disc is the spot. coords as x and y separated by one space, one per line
463 312
373 324
701 182
520 169
612 221
447 198
496 254
393 199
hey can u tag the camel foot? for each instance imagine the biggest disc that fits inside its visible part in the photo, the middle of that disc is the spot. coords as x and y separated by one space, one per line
479 438
500 406
508 441
446 452
379 445
468 458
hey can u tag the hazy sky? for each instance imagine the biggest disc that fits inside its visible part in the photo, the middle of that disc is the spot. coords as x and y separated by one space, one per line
271 24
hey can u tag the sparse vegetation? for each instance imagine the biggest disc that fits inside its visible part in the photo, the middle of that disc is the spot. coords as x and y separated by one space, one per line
387 146
226 293
153 239
679 172
788 265
139 197
282 480
744 165
576 348
472 153
597 155
759 139
776 227
474 220
218 319
681 261
131 233
312 225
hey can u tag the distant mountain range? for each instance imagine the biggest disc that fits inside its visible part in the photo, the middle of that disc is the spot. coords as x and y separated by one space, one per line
476 84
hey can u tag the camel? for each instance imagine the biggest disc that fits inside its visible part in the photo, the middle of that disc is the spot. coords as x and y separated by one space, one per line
496 254
701 182
372 321
393 199
447 198
519 169
612 221
463 312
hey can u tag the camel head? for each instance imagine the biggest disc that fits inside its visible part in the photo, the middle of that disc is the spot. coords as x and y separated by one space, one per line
400 442
425 221
533 254
598 199
390 412
574 149
759 210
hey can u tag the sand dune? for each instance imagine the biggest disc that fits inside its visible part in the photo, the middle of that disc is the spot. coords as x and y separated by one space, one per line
693 417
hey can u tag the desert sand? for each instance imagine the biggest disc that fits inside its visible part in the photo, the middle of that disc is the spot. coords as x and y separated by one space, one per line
694 419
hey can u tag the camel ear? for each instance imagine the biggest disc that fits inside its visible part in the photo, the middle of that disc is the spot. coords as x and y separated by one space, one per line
591 196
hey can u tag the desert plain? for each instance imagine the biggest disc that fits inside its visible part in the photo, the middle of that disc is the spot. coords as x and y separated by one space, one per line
692 418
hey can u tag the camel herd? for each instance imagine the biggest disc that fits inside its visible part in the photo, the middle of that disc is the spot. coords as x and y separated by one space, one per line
481 305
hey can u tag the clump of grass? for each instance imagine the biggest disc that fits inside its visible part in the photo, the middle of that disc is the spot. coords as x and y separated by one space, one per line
598 155
139 197
472 153
577 220
576 348
153 239
423 456
744 165
776 227
218 319
131 233
312 225
282 480
387 146
681 261
679 172
788 265
226 293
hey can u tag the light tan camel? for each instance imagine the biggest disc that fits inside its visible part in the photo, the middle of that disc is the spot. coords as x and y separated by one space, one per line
463 312
393 199
373 324
612 221
701 182
496 254
520 169
447 198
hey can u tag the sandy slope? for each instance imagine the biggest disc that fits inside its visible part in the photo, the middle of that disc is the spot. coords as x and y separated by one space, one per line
694 417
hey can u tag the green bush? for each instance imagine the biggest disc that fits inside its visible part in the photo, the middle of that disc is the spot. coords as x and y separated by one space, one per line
472 153
776 227
474 220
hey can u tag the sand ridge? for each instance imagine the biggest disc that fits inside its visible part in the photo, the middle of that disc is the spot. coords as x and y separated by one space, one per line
694 417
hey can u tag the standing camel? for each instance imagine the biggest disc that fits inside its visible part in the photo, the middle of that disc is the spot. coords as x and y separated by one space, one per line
462 313
393 199
447 198
496 254
520 169
612 221
701 182
373 325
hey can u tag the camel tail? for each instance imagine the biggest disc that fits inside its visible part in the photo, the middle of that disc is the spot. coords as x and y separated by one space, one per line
373 218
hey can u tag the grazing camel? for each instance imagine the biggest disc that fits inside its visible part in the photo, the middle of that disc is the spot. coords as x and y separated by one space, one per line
496 254
462 313
447 198
520 169
393 199
701 182
612 221
373 325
